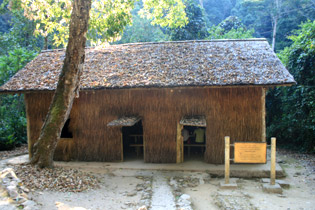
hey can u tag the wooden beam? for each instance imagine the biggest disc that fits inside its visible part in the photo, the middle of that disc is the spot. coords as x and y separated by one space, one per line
150 88
263 115
227 160
144 145
179 144
122 145
273 162
28 127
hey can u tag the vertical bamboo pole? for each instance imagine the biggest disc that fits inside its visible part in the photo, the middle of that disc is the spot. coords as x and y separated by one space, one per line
273 162
227 159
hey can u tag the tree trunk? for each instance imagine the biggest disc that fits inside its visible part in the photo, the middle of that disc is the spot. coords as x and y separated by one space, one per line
67 88
274 32
201 4
275 18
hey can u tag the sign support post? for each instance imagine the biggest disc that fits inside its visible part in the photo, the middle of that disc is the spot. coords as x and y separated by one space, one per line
227 159
273 162
227 183
272 187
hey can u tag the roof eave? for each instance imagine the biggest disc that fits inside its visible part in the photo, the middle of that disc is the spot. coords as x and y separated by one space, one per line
154 86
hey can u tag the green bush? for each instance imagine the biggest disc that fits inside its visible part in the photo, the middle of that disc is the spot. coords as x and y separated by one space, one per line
291 111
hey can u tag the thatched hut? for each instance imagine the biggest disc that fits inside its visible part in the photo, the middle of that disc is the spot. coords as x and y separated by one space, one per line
141 99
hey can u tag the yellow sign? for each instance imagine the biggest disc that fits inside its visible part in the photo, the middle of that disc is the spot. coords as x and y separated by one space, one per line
250 152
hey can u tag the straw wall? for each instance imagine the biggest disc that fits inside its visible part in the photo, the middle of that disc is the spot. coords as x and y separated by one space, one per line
229 111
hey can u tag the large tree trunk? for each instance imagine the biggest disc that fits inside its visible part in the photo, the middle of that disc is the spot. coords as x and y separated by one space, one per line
67 88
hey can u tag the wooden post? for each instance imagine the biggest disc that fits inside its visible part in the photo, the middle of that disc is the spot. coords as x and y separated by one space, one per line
144 145
28 126
263 115
273 162
122 145
179 144
227 159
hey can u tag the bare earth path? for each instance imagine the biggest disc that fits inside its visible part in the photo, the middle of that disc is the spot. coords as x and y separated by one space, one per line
132 189
162 197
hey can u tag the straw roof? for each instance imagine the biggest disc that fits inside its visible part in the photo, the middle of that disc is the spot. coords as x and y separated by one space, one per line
164 64
124 121
194 121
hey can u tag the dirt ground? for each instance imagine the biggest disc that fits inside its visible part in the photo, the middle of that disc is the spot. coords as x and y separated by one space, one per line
131 189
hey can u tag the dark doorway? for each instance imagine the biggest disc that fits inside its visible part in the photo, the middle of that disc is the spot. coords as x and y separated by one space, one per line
194 138
66 132
133 141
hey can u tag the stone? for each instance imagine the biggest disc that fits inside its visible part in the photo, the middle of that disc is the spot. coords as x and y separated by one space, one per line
272 188
201 181
139 188
12 190
5 205
184 197
184 203
20 200
128 203
173 182
142 208
130 194
24 195
184 200
30 205
282 183
231 185
265 180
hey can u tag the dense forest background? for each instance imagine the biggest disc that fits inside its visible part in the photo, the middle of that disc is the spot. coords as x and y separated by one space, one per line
288 25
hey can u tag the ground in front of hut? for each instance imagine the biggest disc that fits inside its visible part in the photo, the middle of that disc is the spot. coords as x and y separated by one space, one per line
132 189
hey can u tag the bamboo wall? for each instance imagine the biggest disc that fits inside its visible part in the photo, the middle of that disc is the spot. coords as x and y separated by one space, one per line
236 112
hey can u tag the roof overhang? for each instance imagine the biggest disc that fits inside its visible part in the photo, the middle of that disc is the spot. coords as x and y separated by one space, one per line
199 121
163 64
124 121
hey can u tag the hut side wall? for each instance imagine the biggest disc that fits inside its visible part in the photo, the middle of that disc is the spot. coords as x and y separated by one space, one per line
37 105
229 111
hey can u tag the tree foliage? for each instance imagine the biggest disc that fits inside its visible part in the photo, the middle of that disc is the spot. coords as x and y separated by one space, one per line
20 35
12 110
218 10
166 13
291 114
230 28
108 18
141 30
197 26
261 14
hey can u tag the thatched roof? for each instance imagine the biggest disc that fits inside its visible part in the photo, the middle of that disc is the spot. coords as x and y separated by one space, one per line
124 121
194 121
165 64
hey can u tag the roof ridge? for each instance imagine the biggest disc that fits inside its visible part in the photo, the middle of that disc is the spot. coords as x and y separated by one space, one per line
168 42
192 41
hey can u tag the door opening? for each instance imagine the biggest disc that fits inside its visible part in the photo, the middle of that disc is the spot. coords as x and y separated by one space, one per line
194 139
133 141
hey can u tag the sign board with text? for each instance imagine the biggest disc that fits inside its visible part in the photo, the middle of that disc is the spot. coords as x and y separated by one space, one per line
250 152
